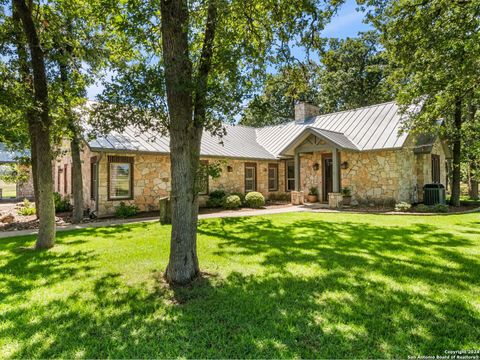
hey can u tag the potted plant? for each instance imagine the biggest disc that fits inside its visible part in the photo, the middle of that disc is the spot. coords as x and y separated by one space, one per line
312 196
347 196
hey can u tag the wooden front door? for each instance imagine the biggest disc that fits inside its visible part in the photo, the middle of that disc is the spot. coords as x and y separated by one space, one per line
327 172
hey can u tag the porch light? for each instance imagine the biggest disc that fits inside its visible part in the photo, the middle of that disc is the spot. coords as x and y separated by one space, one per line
316 167
344 165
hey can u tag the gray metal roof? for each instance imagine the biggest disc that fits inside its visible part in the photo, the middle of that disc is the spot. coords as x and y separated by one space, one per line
374 127
9 156
240 142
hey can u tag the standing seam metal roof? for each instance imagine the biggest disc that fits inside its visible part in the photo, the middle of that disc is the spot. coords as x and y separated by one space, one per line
374 127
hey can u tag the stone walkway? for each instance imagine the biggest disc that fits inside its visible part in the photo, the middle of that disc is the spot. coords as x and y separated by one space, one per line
112 222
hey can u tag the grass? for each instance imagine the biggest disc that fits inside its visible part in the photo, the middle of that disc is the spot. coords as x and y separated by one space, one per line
290 285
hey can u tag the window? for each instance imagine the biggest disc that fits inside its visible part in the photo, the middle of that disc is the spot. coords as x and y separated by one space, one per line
59 178
435 168
65 179
93 177
120 176
250 177
272 177
202 185
290 175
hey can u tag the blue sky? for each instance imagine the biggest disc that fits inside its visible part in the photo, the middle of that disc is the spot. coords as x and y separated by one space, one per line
346 23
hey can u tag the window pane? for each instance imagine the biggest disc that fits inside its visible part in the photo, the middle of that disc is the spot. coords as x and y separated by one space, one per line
290 170
249 179
120 180
272 178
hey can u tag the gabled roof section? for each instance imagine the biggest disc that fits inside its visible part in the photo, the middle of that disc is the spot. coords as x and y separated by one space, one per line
375 127
332 138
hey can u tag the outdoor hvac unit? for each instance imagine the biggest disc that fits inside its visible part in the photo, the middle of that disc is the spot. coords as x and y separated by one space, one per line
433 194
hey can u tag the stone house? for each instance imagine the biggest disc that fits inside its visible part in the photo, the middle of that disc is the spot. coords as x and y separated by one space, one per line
361 149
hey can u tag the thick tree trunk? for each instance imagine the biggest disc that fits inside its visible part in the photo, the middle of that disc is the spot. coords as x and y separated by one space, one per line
46 231
75 142
25 75
77 182
184 142
456 174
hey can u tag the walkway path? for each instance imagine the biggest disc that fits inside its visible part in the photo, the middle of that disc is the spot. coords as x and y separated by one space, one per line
112 222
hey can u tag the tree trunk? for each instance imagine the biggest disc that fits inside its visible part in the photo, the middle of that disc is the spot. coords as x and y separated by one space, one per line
77 181
456 174
25 75
75 142
46 230
184 142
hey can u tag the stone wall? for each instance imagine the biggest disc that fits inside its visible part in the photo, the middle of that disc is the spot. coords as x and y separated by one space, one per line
65 158
424 168
152 180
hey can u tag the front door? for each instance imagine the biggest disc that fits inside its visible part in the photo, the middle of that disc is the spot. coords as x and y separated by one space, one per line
327 175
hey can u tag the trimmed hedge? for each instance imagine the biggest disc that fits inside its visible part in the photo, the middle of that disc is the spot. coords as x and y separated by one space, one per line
232 202
254 200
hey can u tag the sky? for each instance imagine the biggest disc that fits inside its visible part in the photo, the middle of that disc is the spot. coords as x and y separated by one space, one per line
348 22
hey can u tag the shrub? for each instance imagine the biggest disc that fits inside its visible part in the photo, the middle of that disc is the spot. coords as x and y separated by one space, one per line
402 206
216 198
62 204
254 200
440 208
123 210
346 191
313 191
241 196
27 208
423 208
232 202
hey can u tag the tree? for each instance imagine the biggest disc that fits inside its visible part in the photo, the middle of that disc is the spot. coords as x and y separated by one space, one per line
280 91
41 123
352 73
210 55
74 52
433 47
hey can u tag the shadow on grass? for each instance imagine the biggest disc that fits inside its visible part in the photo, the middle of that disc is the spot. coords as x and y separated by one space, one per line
373 292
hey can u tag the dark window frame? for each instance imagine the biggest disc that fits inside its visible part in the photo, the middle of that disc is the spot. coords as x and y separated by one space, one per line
435 163
59 179
114 159
275 167
65 179
93 177
254 166
287 162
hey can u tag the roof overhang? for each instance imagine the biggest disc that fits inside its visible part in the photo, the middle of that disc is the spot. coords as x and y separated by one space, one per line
332 138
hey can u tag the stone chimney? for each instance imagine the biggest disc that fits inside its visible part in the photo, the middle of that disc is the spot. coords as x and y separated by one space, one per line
304 111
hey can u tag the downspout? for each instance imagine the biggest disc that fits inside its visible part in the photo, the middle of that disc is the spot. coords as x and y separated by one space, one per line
97 170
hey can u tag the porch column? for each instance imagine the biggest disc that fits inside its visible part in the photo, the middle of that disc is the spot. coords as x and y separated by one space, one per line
336 170
297 170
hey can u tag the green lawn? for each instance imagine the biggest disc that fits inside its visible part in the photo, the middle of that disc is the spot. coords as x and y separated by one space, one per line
291 285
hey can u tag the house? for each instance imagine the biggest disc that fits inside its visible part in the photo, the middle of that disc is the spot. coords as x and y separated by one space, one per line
362 149
19 190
